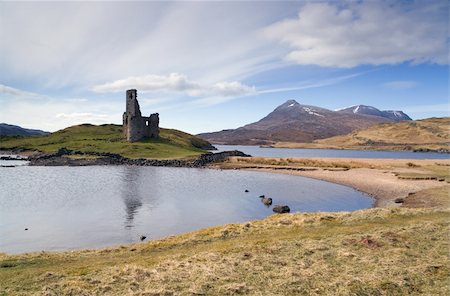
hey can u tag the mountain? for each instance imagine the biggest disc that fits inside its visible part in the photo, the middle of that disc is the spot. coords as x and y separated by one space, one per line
369 110
14 130
293 122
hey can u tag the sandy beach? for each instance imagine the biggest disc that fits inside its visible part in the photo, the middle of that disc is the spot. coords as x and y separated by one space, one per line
378 178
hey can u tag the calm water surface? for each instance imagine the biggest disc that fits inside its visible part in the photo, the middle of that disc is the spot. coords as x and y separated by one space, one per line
90 207
288 152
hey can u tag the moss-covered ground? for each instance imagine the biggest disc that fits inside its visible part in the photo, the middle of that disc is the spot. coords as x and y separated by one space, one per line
108 138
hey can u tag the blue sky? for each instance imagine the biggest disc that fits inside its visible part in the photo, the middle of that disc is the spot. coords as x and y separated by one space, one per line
207 66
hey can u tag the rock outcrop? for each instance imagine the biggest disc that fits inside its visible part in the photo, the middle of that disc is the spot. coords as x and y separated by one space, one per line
60 158
280 209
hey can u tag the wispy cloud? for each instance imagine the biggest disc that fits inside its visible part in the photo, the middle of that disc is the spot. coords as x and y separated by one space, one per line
76 100
400 84
186 37
7 90
313 84
175 82
351 33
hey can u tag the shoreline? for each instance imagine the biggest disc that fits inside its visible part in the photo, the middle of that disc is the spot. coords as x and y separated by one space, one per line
68 157
382 183
376 177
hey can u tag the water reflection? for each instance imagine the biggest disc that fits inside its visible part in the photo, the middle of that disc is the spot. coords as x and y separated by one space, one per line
90 207
130 194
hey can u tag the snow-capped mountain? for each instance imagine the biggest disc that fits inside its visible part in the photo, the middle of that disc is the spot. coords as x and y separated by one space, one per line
294 122
369 110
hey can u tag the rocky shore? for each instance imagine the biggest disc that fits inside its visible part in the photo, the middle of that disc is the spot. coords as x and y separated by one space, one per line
67 157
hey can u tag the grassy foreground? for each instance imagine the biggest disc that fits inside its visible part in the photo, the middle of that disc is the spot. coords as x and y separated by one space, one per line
368 252
108 138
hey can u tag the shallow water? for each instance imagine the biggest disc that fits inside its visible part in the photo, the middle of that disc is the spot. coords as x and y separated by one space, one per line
96 206
288 152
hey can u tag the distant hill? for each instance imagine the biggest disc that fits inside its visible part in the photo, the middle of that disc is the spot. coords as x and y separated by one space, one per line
14 130
293 122
109 138
427 134
369 110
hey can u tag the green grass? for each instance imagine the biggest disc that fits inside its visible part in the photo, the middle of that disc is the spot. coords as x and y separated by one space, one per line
368 252
108 138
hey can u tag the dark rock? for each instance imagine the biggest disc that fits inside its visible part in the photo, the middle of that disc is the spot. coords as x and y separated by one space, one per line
281 209
15 157
399 200
246 190
106 158
262 196
266 200
143 237
26 229
63 151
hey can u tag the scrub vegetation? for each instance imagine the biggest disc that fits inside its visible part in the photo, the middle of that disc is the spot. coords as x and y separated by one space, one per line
368 252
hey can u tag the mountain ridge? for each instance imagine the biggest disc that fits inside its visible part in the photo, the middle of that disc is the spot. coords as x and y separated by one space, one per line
395 115
294 122
15 130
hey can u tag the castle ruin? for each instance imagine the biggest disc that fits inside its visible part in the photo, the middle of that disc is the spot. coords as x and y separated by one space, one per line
135 126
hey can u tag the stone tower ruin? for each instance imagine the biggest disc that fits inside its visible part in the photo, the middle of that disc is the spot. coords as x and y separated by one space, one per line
135 126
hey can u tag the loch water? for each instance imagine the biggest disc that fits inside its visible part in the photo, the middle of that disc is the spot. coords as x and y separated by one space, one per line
67 208
258 151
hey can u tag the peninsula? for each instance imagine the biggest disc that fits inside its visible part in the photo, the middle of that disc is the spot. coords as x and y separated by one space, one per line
138 137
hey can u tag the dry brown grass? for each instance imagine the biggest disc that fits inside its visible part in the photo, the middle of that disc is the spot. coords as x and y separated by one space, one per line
428 134
243 162
435 167
369 252
429 198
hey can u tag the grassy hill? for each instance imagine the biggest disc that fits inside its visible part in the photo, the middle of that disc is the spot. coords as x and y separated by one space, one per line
108 138
426 134
369 252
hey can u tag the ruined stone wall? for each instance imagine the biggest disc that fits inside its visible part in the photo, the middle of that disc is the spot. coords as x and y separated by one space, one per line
153 125
136 127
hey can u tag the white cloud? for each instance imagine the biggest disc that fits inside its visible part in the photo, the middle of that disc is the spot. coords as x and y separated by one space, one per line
175 82
400 84
7 90
82 116
348 34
